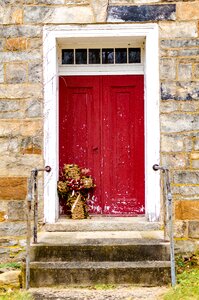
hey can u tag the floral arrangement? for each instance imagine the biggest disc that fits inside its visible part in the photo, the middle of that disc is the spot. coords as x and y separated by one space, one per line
74 185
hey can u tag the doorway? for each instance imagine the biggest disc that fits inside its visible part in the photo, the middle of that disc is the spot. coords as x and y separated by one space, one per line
101 127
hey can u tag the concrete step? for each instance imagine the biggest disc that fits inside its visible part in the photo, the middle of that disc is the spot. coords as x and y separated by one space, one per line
115 251
88 273
104 224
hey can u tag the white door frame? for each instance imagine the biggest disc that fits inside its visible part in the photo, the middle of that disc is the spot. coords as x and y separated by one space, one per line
51 35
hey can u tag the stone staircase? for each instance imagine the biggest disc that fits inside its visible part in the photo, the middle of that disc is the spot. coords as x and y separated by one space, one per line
90 252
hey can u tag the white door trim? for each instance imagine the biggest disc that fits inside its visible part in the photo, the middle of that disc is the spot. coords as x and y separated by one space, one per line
51 35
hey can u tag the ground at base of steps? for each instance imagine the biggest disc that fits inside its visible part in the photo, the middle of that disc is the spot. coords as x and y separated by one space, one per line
100 293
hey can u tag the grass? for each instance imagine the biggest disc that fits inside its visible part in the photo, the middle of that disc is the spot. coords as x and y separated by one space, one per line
187 287
16 295
11 265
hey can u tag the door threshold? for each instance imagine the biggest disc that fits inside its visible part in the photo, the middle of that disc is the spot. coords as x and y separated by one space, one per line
104 224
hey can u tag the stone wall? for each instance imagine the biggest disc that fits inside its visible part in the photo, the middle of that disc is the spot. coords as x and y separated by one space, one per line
21 98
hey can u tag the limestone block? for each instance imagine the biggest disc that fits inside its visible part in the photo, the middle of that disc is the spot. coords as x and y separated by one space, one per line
180 90
167 68
20 165
17 16
10 109
183 52
99 8
10 279
31 145
195 164
5 14
20 56
2 43
194 155
141 13
8 242
169 106
190 106
178 122
196 144
178 30
186 177
188 143
188 10
20 127
36 43
196 71
50 2
17 44
129 2
187 210
179 43
2 216
185 246
33 109
16 72
1 73
35 71
171 143
193 229
21 91
13 229
187 190
16 211
21 31
77 2
184 72
180 229
57 15
13 188
175 160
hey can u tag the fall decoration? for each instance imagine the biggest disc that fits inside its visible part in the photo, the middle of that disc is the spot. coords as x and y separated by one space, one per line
74 186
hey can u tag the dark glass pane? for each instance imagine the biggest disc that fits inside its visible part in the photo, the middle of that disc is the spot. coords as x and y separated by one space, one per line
134 55
120 55
94 56
107 56
68 56
81 56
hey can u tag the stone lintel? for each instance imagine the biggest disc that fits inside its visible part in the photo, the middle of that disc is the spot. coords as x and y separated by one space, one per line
142 13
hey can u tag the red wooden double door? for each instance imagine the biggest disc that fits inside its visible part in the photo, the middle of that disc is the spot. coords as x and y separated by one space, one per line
101 127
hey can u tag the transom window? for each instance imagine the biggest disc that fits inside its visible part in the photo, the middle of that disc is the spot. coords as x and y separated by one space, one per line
85 56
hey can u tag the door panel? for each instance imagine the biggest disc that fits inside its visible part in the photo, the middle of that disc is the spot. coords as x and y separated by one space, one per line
102 128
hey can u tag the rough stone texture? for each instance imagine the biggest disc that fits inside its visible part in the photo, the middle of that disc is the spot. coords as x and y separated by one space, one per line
13 229
193 229
185 72
186 177
180 90
20 127
16 72
38 14
188 10
117 293
16 44
13 91
141 13
180 229
13 188
29 31
178 30
170 143
1 73
179 123
187 210
35 72
17 16
196 71
10 279
168 68
99 8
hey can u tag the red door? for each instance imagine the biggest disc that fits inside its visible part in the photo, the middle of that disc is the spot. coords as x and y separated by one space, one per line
101 127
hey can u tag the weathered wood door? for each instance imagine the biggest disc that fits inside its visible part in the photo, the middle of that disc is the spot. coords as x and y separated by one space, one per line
101 127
